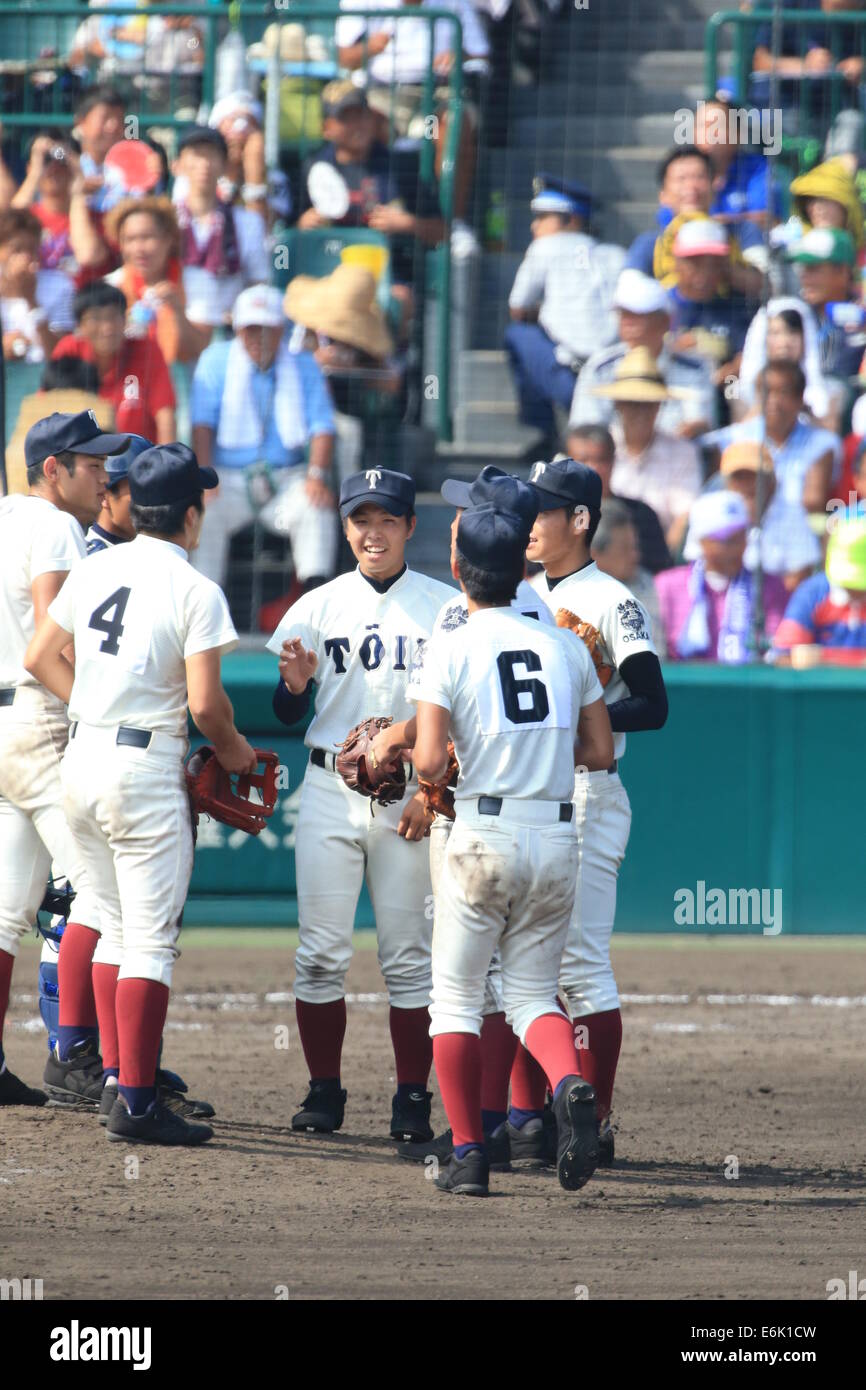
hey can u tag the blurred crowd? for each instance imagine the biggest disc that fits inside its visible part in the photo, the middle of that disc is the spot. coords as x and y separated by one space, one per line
712 372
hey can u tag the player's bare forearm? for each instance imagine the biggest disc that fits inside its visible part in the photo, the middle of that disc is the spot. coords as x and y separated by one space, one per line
44 659
430 755
400 735
212 712
594 747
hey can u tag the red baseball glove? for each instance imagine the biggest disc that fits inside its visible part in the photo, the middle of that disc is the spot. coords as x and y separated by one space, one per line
211 792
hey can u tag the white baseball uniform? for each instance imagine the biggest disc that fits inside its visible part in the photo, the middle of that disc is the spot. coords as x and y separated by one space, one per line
36 538
450 618
366 641
136 612
515 689
601 801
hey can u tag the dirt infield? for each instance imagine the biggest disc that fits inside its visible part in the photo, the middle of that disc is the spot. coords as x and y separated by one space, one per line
755 1053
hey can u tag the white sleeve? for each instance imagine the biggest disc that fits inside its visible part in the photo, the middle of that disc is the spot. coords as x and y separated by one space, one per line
430 679
57 545
627 629
348 30
528 288
208 622
61 609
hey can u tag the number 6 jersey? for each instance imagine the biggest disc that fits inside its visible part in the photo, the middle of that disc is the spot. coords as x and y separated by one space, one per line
515 690
136 612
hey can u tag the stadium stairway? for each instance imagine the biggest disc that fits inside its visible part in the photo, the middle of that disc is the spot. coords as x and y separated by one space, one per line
613 76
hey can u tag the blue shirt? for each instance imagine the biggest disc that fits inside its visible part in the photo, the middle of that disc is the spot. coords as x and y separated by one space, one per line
818 612
727 316
208 389
745 190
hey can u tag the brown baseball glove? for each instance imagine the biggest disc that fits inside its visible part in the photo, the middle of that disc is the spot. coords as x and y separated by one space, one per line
439 796
591 637
211 792
359 769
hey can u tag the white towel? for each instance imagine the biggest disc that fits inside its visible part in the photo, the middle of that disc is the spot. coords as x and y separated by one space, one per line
240 426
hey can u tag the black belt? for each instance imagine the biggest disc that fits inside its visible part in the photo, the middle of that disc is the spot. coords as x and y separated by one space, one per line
319 758
492 805
613 766
7 696
126 737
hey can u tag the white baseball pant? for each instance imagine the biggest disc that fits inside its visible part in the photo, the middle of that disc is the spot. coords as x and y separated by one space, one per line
313 532
129 813
341 839
439 832
506 881
603 823
34 835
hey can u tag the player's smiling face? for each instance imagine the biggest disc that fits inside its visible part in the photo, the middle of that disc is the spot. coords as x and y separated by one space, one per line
378 540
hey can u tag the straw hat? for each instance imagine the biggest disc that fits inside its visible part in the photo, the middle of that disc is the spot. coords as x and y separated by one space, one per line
637 378
343 306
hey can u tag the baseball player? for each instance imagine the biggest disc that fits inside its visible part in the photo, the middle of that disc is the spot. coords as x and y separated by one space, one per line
41 538
148 632
356 639
514 696
634 691
113 525
498 1042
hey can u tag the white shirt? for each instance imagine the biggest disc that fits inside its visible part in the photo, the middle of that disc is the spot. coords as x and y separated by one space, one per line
456 612
667 475
623 624
407 57
35 538
136 612
572 277
515 690
366 643
210 297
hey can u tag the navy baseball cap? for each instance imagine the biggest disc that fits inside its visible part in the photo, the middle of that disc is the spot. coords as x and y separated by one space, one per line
551 194
492 539
168 473
566 483
74 434
393 491
117 467
496 488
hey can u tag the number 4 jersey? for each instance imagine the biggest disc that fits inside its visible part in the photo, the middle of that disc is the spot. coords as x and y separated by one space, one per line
136 612
515 690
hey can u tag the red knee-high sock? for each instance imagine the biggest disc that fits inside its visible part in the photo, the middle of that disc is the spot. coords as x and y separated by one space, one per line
6 964
458 1069
322 1028
498 1044
598 1058
77 1004
413 1046
551 1042
528 1081
105 994
140 1007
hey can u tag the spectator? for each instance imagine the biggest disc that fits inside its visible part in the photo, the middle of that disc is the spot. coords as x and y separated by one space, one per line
656 468
594 446
256 410
787 329
223 248
113 526
644 319
30 328
739 176
132 372
807 50
98 125
826 259
827 197
561 301
347 332
805 458
616 551
780 535
397 58
46 192
149 49
704 317
67 386
238 118
829 609
707 606
146 231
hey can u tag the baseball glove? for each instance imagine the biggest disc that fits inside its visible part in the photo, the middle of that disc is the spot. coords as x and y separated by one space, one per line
359 769
591 637
212 793
439 796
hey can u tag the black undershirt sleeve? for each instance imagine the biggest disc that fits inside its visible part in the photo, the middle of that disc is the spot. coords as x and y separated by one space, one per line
289 708
646 706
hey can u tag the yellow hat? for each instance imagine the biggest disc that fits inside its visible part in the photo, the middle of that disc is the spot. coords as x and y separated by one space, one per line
830 180
846 553
637 378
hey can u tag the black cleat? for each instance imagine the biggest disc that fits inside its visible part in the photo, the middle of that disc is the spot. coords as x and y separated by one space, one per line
442 1148
156 1126
77 1082
577 1131
534 1142
410 1118
322 1108
173 1093
605 1143
465 1177
14 1092
106 1103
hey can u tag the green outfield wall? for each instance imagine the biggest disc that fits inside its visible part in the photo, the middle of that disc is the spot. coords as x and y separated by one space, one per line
748 809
